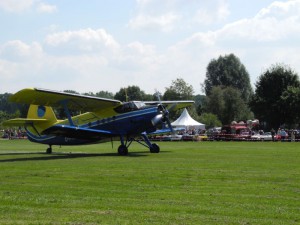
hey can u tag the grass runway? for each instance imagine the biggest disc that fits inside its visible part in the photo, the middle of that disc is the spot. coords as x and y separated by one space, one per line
186 183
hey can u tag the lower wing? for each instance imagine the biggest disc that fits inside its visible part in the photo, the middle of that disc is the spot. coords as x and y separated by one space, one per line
77 132
167 130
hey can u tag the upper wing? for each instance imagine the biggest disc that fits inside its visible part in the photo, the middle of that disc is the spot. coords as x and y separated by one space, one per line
57 99
172 105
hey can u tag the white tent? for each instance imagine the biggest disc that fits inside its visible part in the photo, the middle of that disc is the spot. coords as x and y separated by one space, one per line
186 121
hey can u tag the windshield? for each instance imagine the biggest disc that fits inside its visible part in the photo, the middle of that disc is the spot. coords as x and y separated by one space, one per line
130 106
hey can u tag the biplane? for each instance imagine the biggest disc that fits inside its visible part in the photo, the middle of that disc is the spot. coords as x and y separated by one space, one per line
104 119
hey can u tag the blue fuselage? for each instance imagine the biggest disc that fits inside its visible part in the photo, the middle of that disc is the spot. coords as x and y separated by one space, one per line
128 124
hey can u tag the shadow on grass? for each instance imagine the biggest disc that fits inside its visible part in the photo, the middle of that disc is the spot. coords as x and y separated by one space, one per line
55 156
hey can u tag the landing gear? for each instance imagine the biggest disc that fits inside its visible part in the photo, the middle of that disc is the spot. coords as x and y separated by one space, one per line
123 150
155 148
49 150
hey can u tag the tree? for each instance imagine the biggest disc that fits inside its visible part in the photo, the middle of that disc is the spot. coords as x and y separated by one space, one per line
215 102
179 90
210 120
274 93
290 99
235 108
132 93
101 94
12 108
104 94
228 71
200 103
228 105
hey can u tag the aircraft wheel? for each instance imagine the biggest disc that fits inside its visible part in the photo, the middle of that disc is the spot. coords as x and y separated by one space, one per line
155 148
122 150
49 150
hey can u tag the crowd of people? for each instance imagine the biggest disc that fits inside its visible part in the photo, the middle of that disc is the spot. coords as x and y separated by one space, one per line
284 134
14 134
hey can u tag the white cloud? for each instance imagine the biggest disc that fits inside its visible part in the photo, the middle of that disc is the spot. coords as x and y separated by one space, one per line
280 9
212 13
19 51
19 6
267 38
16 5
46 8
86 40
164 22
93 60
177 14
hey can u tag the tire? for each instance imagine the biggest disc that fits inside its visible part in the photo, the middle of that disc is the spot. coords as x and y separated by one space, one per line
49 150
155 148
122 150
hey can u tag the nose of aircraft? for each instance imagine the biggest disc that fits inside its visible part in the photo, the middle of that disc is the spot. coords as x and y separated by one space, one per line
162 117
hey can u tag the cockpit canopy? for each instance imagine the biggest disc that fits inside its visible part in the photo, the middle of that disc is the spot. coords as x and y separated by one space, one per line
130 106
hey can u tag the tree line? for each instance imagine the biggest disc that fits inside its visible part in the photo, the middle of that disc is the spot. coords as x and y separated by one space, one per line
228 97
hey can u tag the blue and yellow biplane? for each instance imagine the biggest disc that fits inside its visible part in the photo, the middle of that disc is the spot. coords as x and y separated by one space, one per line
104 119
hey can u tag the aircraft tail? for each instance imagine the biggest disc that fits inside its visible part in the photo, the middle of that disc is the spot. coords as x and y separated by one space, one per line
38 119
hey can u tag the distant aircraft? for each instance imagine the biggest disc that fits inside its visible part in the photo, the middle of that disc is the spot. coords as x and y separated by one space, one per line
104 119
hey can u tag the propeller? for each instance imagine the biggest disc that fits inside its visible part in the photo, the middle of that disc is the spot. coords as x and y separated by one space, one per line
162 117
163 113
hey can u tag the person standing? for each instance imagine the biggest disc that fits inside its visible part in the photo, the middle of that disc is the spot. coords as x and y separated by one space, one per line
273 134
292 135
283 134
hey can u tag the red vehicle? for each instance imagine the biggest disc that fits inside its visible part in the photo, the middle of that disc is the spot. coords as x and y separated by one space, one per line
235 132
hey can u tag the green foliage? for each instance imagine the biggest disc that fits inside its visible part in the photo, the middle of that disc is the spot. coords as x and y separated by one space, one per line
187 183
101 94
132 93
12 108
5 105
228 71
6 116
200 103
290 99
273 98
179 90
210 120
215 102
228 105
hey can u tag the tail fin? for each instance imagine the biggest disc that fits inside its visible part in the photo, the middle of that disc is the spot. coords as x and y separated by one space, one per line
38 119
41 112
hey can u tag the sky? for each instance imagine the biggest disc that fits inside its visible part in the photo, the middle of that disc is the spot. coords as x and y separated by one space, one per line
97 45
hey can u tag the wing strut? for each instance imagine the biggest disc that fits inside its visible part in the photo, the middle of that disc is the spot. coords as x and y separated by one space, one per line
64 104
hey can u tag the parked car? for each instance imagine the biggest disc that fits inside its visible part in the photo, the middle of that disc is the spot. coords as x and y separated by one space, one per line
266 136
173 137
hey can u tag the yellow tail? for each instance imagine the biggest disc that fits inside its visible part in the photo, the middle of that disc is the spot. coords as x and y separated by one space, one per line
45 114
38 119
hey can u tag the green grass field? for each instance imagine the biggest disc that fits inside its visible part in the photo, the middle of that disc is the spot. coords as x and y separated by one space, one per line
187 183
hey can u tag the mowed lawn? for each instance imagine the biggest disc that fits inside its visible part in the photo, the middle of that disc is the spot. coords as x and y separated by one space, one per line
186 183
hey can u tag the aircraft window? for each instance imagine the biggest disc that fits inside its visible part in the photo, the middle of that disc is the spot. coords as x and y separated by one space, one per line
129 106
140 105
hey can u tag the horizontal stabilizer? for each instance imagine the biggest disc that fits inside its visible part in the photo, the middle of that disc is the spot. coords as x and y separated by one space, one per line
76 132
23 122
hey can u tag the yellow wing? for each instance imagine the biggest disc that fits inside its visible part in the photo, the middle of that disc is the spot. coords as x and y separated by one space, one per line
45 97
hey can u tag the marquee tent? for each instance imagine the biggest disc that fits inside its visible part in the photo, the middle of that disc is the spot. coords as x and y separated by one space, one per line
186 121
